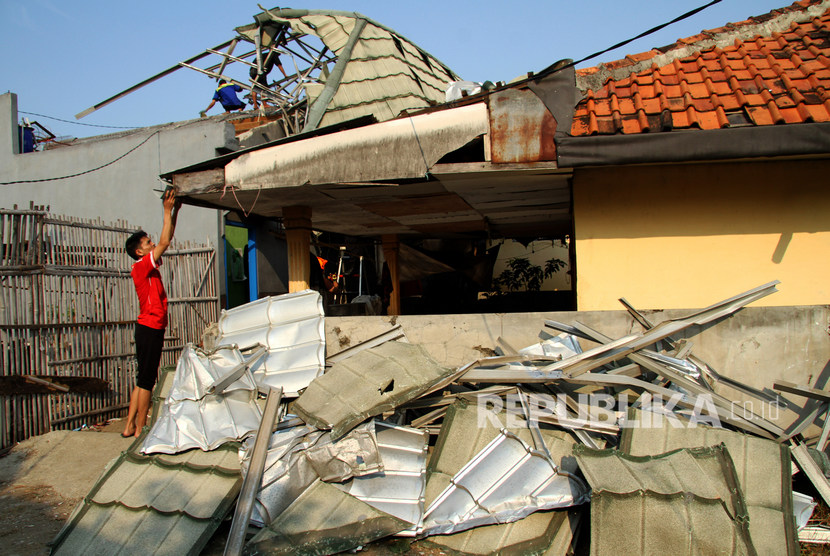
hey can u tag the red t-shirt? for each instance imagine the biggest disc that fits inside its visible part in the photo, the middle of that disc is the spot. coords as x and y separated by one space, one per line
152 299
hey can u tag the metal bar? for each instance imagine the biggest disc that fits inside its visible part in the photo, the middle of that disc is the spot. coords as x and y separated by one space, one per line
699 363
253 478
805 391
318 109
119 407
825 432
218 387
147 81
392 334
752 421
47 383
228 55
806 463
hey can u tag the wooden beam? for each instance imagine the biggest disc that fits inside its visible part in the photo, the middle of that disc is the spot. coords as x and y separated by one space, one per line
297 221
390 253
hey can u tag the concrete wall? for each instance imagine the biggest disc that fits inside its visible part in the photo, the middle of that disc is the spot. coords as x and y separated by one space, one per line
123 190
672 236
756 345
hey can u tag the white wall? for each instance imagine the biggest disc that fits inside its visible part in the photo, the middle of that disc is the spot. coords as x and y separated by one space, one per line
123 190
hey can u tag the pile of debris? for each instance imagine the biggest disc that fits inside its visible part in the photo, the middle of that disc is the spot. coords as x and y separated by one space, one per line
509 454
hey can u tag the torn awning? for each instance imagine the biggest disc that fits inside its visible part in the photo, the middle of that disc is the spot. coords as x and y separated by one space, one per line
399 149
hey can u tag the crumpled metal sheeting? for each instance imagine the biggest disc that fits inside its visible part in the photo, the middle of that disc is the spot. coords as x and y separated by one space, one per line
548 533
399 488
161 504
197 371
324 520
205 424
367 384
463 435
682 502
292 327
355 455
506 481
289 470
562 345
762 466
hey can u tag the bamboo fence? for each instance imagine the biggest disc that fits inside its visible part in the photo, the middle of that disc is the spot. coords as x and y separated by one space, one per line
68 309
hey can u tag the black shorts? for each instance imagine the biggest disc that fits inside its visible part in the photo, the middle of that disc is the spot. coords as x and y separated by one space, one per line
148 346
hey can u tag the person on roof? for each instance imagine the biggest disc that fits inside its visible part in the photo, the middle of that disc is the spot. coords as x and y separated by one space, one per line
226 95
273 59
152 318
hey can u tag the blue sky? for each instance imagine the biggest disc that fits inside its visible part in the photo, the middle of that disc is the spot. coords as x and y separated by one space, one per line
63 57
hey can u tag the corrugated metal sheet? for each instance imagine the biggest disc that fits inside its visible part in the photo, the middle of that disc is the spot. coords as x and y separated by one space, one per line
399 488
296 458
324 520
463 435
291 327
386 74
206 423
165 504
367 384
762 466
682 502
506 481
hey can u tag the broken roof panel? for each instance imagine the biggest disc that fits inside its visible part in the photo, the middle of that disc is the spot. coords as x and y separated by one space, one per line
382 72
549 533
324 520
767 70
684 502
154 505
205 424
367 384
506 481
291 326
762 467
300 455
399 488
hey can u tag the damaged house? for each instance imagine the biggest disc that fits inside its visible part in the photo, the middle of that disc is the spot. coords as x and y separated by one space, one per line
681 176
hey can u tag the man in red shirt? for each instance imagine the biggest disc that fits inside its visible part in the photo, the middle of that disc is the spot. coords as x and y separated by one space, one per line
152 318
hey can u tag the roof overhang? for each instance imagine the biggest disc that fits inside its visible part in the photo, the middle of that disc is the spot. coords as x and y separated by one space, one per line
389 178
695 145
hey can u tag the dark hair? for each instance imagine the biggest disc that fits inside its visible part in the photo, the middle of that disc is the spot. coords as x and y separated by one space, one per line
133 242
222 81
252 72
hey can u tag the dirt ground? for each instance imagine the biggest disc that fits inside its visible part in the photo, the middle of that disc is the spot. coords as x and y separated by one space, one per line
43 478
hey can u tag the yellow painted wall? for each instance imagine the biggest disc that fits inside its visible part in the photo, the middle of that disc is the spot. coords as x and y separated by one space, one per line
686 236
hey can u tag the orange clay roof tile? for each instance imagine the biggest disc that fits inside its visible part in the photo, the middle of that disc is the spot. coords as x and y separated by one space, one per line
782 78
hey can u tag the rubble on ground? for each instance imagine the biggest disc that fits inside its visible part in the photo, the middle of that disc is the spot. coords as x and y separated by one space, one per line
510 454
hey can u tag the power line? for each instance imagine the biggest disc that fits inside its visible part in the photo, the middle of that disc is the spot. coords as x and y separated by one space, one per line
77 123
84 172
557 67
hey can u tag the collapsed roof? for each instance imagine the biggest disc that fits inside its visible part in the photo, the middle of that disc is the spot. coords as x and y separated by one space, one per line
498 164
336 66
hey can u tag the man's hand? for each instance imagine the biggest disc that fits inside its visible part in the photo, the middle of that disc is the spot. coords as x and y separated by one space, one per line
169 200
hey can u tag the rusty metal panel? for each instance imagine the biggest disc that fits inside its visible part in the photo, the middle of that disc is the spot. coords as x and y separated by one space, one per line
521 127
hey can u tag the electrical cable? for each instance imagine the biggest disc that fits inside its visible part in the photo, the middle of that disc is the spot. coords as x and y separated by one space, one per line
556 67
77 123
86 171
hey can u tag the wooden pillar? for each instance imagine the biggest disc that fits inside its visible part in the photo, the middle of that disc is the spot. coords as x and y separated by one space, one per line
390 253
297 220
